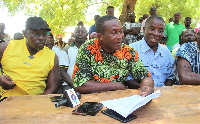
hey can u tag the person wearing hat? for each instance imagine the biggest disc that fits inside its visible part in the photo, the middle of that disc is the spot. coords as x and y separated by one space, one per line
29 67
60 43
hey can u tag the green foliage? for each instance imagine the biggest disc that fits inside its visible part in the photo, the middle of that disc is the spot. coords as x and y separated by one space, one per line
62 13
167 8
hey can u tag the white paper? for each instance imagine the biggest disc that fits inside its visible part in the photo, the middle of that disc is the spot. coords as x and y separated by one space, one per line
125 106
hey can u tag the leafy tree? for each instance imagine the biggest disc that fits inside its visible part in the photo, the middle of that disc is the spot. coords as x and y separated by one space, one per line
62 13
167 8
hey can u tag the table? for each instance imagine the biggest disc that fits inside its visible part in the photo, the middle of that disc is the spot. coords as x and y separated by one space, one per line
177 104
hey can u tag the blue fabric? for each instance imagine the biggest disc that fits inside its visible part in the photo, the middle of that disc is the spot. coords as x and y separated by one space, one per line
160 65
92 29
189 51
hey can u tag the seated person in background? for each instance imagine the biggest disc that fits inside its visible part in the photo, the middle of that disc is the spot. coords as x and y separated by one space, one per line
27 64
103 64
187 35
66 70
62 57
156 58
188 65
131 29
18 36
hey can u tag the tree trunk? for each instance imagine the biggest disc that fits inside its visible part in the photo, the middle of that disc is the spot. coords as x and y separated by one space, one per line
128 6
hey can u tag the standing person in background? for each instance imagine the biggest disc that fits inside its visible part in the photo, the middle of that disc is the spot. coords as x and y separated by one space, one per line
171 20
188 23
93 28
3 35
152 11
28 66
140 20
110 10
173 30
66 70
60 43
131 29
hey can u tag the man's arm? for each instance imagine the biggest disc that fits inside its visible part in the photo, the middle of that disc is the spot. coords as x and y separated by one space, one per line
186 76
5 81
95 86
66 77
53 78
132 84
3 47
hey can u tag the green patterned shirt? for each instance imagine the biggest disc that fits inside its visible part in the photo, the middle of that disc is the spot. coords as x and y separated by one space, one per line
92 63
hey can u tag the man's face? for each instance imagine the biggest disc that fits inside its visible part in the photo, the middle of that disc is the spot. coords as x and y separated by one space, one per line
36 39
187 21
177 17
49 42
132 17
110 11
80 34
112 37
154 31
153 11
188 36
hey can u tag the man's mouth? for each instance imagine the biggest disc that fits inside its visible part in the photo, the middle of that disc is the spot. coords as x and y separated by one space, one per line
154 39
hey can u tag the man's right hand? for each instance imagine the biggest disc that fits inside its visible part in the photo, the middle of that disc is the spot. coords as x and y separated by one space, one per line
6 82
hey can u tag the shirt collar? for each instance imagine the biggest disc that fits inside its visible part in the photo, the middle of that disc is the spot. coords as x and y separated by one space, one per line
145 48
176 24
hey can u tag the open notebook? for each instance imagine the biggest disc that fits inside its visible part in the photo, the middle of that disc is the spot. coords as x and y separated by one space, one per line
125 106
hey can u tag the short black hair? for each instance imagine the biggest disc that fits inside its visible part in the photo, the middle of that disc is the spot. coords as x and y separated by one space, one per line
187 18
110 7
154 17
100 22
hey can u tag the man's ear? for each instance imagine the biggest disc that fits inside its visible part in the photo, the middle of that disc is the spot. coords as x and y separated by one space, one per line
99 36
24 33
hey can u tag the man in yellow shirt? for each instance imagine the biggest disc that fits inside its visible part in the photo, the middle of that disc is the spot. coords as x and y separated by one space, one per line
29 67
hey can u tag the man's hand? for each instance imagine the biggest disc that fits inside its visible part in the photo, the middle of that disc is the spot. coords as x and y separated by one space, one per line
146 90
120 86
6 82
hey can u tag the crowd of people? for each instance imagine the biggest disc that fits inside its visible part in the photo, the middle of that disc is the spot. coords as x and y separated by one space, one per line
110 56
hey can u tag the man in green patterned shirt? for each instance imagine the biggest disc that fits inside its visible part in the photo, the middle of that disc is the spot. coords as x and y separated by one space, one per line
103 64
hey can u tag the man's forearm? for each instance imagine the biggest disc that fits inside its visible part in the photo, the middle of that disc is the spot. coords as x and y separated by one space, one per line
94 86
